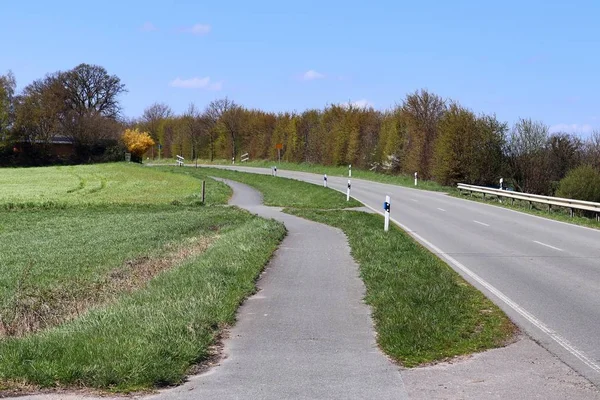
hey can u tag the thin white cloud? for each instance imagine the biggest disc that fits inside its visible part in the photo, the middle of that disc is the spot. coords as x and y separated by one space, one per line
362 103
572 128
197 29
311 75
196 83
149 27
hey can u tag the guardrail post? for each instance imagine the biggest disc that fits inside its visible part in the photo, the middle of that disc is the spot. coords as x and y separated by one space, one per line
203 191
348 191
386 208
572 212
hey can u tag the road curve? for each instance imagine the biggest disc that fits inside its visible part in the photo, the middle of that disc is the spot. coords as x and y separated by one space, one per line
544 274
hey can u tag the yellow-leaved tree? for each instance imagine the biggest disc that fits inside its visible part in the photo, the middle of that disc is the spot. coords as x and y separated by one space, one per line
137 143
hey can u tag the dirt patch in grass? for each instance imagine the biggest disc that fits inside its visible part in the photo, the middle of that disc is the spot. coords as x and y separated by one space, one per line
33 308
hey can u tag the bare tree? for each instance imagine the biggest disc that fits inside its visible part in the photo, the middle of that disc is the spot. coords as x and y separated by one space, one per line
528 157
8 84
592 150
91 91
228 113
194 127
153 116
424 111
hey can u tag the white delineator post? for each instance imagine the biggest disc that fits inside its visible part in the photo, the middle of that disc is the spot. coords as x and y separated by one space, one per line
275 170
348 191
501 183
386 207
416 178
350 171
325 180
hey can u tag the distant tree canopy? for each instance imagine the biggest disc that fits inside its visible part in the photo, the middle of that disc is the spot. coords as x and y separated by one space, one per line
438 138
80 105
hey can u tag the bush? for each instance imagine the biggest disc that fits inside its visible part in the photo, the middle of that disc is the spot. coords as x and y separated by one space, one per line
582 183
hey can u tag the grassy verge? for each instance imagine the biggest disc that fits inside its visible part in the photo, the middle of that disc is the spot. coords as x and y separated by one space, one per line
423 310
152 336
401 180
540 210
279 192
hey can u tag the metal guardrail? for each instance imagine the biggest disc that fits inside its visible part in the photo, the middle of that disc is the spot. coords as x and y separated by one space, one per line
535 198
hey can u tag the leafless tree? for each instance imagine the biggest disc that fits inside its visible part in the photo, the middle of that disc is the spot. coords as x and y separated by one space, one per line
424 111
528 157
228 113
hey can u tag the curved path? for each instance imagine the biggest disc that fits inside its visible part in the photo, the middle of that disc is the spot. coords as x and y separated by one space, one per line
306 334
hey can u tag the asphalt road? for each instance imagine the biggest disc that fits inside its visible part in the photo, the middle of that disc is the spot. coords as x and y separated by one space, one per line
543 273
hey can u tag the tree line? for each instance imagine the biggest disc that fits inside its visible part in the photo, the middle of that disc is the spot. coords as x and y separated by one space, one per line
440 139
425 133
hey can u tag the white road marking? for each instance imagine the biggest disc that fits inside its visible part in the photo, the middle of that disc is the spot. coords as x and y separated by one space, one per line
480 223
547 245
416 201
441 209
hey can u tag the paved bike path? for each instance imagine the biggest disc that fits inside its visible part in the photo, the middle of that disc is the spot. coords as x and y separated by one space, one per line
306 334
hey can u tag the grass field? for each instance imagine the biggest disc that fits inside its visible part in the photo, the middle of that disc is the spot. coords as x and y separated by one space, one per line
102 184
121 288
423 310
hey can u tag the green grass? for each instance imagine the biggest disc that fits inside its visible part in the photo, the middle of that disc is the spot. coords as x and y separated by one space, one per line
152 336
280 192
401 180
53 261
122 288
556 213
423 310
102 184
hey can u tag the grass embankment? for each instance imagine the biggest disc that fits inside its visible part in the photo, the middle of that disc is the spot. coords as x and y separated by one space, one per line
122 288
423 310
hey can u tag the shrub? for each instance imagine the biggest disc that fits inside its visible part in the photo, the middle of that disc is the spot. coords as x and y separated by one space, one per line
582 183
137 142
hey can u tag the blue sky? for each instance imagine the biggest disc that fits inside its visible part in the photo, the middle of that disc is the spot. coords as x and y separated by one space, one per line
535 59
